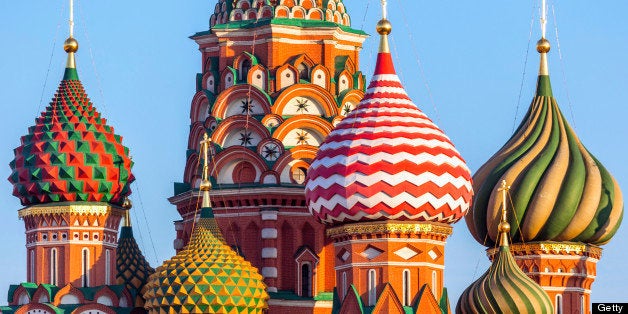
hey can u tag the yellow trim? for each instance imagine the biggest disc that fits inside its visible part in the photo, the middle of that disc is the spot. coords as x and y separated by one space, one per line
79 209
390 227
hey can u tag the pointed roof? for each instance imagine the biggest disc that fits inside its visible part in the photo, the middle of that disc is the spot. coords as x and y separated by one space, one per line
560 191
504 288
133 269
207 276
387 160
71 154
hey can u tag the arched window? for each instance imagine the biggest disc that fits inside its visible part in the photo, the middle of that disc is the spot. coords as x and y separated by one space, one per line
306 280
372 287
107 266
434 284
245 67
54 266
298 175
559 304
303 71
344 285
406 287
85 267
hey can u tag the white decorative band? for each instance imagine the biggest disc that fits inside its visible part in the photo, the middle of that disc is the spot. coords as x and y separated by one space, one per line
271 289
269 233
269 272
269 215
269 252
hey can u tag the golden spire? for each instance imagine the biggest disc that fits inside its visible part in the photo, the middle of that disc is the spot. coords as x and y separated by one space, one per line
504 226
543 45
205 183
71 45
127 204
384 28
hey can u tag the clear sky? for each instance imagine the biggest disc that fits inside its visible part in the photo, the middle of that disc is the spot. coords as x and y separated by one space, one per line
462 62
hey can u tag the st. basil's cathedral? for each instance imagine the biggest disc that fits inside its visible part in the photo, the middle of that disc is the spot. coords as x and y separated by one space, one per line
307 189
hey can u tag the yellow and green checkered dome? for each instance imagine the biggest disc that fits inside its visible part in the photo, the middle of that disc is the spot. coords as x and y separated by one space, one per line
207 276
133 269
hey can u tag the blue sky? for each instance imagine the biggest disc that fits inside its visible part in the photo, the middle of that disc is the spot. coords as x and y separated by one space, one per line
462 62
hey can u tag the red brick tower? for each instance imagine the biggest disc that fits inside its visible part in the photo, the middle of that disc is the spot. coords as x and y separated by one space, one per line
389 183
276 77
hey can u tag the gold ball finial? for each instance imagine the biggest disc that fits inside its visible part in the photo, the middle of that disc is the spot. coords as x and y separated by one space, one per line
504 227
127 204
384 27
206 185
543 46
70 45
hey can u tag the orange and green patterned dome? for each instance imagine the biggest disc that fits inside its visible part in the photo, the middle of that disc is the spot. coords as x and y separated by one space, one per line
560 191
207 276
71 154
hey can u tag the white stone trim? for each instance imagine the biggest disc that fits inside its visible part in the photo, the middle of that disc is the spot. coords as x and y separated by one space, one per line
566 289
269 252
367 241
269 233
269 272
269 215
400 264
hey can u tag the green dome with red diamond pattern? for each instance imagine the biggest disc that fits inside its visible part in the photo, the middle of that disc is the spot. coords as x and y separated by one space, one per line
71 154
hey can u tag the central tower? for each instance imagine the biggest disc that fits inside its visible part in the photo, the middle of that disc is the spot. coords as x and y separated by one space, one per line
276 77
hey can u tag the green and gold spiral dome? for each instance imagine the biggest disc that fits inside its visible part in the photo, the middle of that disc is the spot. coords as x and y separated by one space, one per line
207 276
504 288
560 191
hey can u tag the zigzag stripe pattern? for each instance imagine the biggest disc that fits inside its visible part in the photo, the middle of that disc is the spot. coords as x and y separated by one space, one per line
388 160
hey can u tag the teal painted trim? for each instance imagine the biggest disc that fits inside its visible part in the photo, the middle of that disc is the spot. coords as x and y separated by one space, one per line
544 86
70 75
207 212
278 21
324 296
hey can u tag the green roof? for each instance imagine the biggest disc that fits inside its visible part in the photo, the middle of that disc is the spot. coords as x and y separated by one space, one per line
279 21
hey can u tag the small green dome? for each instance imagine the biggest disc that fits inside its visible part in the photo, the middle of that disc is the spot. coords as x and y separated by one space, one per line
504 288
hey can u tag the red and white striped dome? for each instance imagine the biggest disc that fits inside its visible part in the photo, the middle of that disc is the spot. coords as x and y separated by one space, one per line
387 160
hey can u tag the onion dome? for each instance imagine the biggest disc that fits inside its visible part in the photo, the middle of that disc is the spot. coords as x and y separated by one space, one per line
504 288
207 276
227 11
387 160
133 269
560 191
71 154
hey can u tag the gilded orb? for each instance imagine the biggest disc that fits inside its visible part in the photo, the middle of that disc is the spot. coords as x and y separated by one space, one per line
205 185
70 45
383 27
127 204
543 46
504 227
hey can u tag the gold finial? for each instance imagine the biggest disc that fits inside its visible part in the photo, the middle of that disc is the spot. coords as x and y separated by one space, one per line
504 226
205 146
127 205
384 28
71 45
543 45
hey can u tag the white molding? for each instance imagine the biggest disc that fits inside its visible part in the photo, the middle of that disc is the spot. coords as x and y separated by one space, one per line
269 233
269 215
269 252
400 264
269 272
